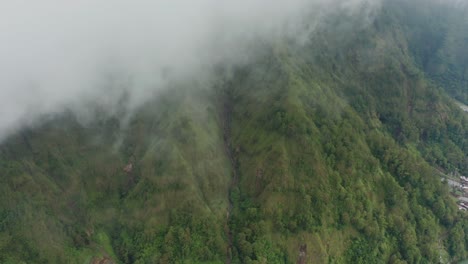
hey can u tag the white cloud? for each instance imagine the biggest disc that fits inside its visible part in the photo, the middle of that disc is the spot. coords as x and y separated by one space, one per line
59 54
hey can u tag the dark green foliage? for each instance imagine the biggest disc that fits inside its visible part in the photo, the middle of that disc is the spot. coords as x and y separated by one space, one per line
361 251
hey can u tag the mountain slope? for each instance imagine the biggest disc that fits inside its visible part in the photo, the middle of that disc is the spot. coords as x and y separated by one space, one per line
325 153
437 36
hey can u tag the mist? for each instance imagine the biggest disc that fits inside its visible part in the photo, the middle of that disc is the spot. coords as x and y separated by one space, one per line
67 55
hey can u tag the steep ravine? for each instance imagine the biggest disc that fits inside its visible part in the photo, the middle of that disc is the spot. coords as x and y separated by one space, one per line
226 112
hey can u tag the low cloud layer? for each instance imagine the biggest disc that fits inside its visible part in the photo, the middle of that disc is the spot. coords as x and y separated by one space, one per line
58 55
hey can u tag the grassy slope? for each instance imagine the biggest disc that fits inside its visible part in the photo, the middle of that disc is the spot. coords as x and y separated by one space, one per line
332 142
334 145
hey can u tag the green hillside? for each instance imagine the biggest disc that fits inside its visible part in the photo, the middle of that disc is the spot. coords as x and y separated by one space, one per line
437 36
329 152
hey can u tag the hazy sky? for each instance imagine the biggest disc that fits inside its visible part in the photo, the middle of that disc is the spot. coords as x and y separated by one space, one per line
57 55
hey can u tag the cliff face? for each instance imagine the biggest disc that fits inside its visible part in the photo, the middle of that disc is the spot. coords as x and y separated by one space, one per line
328 152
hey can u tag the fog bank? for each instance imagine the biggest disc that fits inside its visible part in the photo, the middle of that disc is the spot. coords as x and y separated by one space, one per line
61 55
